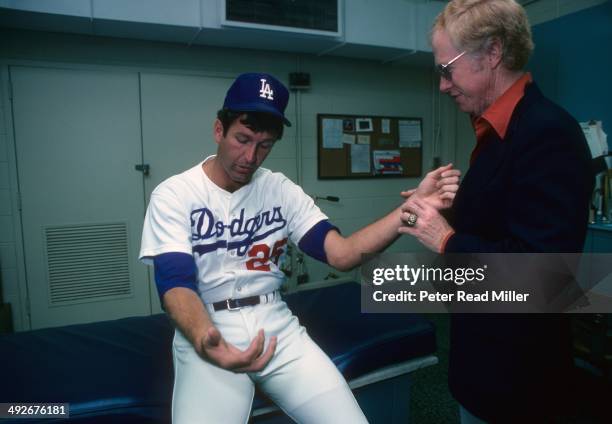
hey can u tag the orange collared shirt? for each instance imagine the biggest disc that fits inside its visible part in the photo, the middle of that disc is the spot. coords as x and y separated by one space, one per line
497 116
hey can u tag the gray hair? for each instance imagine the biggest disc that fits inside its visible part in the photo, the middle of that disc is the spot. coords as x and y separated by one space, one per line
472 25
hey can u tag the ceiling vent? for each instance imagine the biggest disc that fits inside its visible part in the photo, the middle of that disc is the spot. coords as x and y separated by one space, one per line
317 17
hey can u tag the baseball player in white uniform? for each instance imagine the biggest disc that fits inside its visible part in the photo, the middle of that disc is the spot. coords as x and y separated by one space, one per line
217 236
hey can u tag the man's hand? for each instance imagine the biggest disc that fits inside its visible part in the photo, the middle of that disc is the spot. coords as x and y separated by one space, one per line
438 188
430 228
215 349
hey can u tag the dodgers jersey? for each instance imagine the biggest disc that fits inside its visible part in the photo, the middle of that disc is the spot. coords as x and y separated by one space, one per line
238 240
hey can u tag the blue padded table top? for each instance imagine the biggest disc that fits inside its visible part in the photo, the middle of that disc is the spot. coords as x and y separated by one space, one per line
359 343
101 368
121 370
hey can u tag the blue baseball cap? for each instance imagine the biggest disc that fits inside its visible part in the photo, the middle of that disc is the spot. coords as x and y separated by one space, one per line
253 92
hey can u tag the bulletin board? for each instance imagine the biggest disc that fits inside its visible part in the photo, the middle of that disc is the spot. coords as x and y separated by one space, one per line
358 146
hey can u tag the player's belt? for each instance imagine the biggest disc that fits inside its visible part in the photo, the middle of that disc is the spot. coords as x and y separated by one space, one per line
233 304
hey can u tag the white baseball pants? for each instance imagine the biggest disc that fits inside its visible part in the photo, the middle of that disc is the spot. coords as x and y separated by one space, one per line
300 378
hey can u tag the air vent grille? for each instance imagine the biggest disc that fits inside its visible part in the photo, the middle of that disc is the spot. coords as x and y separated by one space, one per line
319 16
87 262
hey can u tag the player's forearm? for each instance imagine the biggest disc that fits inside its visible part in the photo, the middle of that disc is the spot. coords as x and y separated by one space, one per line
187 311
346 253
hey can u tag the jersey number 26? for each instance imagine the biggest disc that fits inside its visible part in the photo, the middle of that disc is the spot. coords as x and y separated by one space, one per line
261 256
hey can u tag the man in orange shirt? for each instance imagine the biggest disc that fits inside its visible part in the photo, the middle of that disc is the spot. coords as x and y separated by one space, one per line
527 190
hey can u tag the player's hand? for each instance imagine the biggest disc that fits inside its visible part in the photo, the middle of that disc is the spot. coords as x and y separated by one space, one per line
438 188
430 228
227 356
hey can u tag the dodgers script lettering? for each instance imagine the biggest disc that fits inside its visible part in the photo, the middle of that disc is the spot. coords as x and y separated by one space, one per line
204 226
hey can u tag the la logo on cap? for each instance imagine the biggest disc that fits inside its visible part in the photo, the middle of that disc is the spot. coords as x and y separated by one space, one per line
265 91
257 92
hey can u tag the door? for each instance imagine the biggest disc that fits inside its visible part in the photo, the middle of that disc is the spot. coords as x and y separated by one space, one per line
77 135
178 112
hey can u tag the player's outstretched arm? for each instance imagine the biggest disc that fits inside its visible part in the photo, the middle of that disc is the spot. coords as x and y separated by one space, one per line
345 253
186 310
438 189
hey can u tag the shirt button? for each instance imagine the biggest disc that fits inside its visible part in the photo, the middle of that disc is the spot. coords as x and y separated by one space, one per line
239 289
233 253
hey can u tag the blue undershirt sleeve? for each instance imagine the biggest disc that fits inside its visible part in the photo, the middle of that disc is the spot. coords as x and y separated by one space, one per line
312 243
174 269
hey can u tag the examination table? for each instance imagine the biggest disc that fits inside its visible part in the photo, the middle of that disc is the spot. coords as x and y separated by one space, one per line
121 371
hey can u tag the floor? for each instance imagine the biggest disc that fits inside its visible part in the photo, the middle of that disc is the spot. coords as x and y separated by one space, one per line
431 402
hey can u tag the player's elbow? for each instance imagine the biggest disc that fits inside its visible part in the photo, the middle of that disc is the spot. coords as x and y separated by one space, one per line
340 252
341 262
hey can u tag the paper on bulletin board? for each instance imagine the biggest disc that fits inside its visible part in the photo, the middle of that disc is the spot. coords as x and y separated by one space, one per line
363 139
409 133
360 158
348 138
387 162
386 126
332 134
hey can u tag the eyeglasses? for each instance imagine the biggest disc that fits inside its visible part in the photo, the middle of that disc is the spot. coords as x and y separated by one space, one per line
444 70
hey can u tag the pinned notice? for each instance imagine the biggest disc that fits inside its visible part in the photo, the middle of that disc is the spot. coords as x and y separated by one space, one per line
348 138
332 134
409 134
387 162
360 158
386 126
363 139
